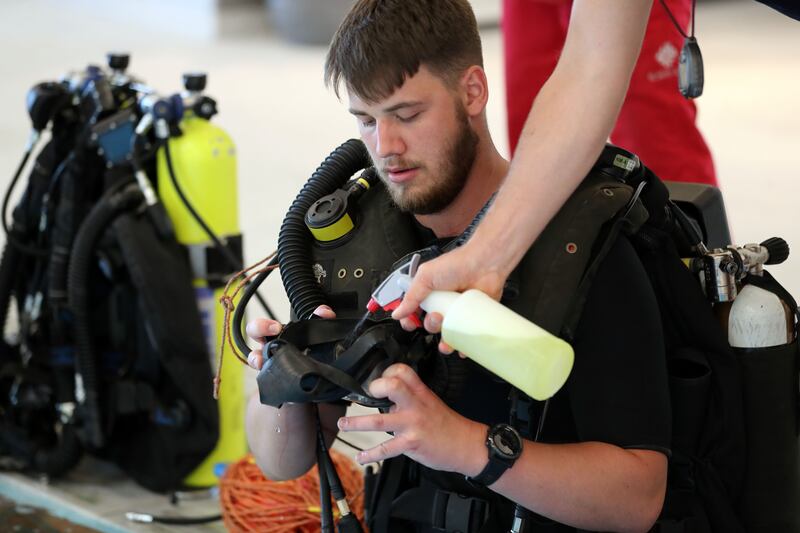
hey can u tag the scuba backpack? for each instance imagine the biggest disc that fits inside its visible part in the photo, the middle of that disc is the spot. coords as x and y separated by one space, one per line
110 356
734 463
717 480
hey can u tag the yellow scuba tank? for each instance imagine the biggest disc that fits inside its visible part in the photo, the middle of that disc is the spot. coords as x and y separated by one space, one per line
204 161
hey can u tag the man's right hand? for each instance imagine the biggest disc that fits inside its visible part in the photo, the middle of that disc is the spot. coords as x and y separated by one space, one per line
259 328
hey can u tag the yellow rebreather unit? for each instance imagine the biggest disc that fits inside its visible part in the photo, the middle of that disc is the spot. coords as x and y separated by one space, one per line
204 160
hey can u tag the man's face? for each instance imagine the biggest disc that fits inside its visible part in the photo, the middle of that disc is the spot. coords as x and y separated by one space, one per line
421 142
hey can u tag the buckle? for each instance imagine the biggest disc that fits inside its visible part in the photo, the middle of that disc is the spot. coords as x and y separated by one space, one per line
454 513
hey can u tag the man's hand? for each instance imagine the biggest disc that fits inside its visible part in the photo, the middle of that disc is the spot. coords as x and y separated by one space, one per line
425 429
259 328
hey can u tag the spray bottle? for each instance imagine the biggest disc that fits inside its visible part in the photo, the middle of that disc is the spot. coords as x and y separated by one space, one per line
500 340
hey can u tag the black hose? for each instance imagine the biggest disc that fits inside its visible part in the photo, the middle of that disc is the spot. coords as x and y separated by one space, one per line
62 231
294 238
334 172
109 207
233 261
63 457
10 236
186 521
9 265
173 520
325 508
10 188
238 315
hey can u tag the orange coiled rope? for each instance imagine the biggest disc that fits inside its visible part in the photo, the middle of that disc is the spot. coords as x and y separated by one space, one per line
251 502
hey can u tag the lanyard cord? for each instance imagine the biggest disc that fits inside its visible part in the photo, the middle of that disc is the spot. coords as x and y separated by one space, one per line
675 22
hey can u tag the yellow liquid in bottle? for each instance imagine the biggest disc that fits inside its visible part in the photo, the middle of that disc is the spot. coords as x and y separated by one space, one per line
505 343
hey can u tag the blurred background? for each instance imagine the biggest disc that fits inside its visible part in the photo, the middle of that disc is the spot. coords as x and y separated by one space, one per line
267 81
264 62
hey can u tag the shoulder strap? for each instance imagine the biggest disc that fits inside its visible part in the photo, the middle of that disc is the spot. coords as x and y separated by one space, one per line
559 268
769 283
389 481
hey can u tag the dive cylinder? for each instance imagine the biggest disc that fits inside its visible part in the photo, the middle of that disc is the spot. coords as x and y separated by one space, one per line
204 161
761 329
759 319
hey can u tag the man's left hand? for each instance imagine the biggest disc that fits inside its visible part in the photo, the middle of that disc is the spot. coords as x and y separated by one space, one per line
425 429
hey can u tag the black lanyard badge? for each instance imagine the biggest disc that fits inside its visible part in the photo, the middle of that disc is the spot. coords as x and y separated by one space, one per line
690 64
690 69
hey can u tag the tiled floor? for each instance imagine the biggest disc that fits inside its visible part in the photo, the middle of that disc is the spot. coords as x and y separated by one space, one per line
16 517
272 101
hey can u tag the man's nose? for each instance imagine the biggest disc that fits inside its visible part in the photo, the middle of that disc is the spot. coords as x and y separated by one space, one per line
388 140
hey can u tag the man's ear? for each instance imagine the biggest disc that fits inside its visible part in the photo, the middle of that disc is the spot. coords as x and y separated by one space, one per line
475 90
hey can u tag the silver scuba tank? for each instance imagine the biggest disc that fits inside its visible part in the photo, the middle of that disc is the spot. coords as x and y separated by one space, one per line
760 317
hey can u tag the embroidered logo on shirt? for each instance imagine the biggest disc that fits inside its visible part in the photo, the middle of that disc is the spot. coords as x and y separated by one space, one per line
666 56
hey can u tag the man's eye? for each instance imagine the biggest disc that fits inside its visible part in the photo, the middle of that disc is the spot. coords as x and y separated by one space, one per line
407 118
367 122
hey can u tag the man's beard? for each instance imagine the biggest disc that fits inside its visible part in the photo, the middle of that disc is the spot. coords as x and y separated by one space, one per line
448 184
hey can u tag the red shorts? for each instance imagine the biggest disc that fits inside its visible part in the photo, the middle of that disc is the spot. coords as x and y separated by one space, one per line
656 122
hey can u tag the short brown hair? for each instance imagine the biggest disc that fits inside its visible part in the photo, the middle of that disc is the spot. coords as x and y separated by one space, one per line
381 42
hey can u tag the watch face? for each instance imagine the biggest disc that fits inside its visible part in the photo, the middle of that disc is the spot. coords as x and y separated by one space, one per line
506 442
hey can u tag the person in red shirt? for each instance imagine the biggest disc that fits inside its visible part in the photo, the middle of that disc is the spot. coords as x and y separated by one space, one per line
656 122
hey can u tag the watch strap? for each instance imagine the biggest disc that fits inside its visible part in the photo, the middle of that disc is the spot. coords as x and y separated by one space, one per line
490 473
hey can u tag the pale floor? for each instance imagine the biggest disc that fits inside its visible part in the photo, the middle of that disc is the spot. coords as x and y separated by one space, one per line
284 122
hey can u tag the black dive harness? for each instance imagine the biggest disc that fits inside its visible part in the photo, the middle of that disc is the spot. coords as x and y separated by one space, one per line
340 260
331 253
325 262
315 361
563 261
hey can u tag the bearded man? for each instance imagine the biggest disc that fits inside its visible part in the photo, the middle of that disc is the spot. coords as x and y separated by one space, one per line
412 70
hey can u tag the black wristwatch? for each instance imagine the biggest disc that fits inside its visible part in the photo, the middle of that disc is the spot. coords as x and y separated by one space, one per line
505 446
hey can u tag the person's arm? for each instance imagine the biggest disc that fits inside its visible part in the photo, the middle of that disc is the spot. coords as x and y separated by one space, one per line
568 125
283 441
589 485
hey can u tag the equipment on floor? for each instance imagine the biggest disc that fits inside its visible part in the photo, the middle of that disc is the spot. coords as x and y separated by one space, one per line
111 248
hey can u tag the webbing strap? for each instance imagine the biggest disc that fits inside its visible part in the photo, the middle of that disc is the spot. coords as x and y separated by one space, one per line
441 509
767 282
391 476
303 364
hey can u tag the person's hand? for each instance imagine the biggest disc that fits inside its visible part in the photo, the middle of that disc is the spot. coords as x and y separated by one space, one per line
459 270
425 429
259 328
464 268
